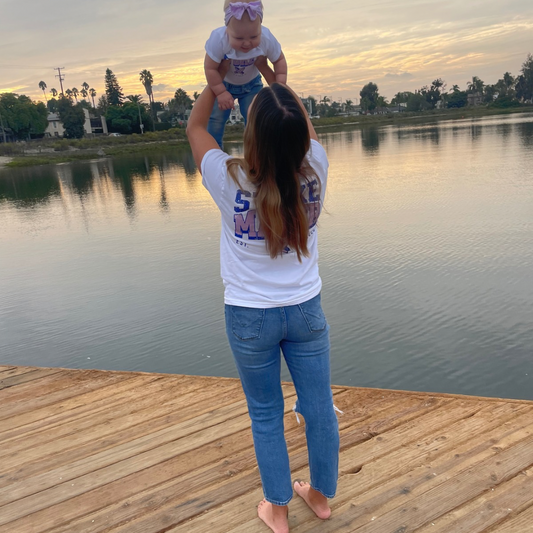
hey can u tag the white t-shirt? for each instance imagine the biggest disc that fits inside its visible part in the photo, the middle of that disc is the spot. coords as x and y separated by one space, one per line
251 277
243 69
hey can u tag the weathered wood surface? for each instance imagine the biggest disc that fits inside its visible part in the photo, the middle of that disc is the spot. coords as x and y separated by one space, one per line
94 451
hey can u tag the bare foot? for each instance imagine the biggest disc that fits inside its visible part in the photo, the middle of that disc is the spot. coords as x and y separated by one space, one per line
274 516
316 501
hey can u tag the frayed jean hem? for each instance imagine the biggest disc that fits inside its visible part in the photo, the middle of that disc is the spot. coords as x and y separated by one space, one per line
274 502
323 493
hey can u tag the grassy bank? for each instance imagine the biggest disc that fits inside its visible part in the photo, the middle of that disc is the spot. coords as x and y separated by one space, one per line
46 151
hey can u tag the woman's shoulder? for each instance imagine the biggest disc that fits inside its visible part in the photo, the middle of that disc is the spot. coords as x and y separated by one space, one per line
318 153
214 161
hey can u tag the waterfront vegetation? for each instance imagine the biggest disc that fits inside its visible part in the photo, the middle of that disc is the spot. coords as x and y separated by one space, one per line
50 150
131 118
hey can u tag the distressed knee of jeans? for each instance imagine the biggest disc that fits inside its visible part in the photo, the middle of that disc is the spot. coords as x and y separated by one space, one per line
297 411
335 408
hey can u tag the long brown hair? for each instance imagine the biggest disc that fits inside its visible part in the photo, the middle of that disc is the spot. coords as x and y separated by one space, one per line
276 141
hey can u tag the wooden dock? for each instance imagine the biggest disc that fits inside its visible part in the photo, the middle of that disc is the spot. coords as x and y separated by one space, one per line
95 451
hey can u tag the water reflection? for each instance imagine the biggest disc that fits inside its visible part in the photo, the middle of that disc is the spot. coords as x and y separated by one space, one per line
525 130
371 137
426 260
28 187
476 131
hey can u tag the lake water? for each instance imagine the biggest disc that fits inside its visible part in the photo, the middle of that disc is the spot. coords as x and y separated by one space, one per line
426 250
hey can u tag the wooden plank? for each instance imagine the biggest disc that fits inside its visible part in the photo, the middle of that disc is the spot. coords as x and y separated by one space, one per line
233 455
14 371
6 368
379 487
94 446
208 487
52 389
159 446
453 492
160 397
75 407
233 491
517 523
147 459
106 435
24 377
489 509
379 446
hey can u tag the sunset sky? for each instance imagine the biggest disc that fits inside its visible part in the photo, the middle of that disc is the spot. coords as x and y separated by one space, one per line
333 48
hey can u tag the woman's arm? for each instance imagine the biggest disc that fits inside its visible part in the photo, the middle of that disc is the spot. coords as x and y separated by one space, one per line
201 141
214 80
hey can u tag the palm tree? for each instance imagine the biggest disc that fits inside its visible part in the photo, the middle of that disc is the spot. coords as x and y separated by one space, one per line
476 85
68 94
137 99
75 93
92 94
54 92
145 76
84 88
196 95
348 106
42 86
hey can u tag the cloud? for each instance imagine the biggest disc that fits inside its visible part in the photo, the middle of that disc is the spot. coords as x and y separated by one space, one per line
400 75
332 48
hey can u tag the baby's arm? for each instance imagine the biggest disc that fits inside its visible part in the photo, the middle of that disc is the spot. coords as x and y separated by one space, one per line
214 80
280 69
264 68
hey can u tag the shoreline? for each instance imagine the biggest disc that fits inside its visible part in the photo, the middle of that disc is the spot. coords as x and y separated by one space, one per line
4 160
85 149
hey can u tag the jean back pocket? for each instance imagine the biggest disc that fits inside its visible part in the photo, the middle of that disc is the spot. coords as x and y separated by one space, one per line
246 322
313 314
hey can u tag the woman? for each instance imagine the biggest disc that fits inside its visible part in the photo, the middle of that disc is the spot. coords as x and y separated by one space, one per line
270 202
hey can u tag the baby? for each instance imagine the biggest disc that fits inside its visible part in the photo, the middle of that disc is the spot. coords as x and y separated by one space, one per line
247 44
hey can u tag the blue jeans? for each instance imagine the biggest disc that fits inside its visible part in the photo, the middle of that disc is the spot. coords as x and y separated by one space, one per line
245 94
302 333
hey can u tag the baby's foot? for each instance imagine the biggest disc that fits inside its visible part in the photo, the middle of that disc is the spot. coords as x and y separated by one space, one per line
316 501
274 516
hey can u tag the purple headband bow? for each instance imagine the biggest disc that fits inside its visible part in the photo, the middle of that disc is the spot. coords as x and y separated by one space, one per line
237 9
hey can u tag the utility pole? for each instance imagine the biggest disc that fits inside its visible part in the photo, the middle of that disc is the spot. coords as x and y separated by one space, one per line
61 78
3 130
141 125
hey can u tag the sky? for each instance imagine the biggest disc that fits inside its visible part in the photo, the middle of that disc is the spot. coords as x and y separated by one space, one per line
333 48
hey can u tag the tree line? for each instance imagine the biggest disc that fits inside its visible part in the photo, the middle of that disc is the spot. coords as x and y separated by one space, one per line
22 117
508 91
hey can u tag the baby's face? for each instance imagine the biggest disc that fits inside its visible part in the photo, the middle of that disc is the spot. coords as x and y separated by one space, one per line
245 34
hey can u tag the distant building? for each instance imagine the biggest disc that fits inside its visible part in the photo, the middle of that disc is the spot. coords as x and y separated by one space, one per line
55 126
235 115
475 99
93 125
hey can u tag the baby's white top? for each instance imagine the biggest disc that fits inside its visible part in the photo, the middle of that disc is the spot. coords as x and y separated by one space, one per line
242 68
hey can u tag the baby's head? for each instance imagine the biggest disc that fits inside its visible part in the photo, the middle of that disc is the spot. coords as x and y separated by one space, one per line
243 24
